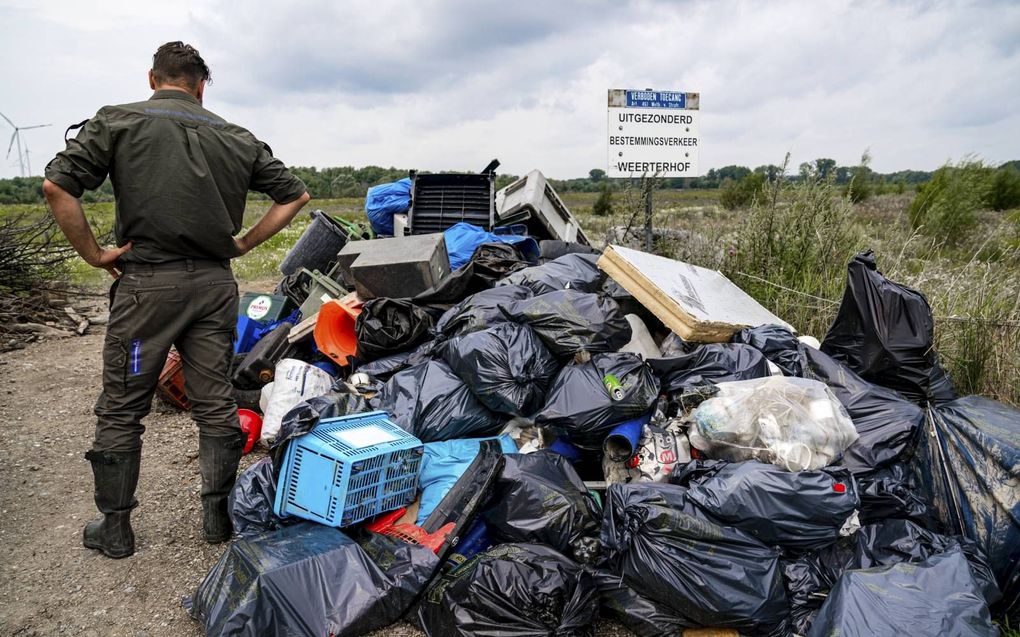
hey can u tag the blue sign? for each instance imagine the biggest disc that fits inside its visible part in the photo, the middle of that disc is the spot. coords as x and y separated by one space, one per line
656 99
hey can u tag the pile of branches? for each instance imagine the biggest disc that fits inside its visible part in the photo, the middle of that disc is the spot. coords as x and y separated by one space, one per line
35 294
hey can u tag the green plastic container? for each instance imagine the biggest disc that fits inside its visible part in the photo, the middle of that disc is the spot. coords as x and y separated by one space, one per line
321 289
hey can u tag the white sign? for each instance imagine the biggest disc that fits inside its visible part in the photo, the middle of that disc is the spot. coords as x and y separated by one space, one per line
653 133
259 307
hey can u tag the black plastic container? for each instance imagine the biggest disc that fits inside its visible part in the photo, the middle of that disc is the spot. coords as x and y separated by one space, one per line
440 201
317 247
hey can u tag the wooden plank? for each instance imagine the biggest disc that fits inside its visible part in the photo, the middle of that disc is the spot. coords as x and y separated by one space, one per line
699 304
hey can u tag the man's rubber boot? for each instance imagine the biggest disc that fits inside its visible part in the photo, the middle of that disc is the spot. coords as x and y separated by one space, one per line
217 462
116 476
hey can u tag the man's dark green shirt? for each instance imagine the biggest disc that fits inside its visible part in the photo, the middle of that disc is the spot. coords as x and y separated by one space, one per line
180 174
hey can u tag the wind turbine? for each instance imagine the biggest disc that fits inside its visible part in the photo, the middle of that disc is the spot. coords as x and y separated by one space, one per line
16 137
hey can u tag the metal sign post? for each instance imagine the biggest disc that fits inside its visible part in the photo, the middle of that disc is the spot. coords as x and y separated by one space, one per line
653 134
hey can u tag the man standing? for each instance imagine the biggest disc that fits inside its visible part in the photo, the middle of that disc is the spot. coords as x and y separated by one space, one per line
181 175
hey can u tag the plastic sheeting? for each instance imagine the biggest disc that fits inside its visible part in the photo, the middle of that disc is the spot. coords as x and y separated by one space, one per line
512 590
587 400
506 366
295 381
884 331
430 402
384 201
462 239
968 465
710 364
809 578
935 597
794 423
539 498
390 326
480 310
444 463
886 422
704 573
799 511
569 321
569 272
310 579
382 369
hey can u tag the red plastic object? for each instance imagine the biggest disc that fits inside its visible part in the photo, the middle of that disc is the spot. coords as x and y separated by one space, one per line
171 382
251 424
385 524
839 487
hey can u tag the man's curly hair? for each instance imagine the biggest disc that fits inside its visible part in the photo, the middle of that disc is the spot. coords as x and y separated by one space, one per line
179 64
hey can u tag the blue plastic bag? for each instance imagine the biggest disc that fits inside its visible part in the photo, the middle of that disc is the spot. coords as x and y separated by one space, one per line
384 201
462 239
444 463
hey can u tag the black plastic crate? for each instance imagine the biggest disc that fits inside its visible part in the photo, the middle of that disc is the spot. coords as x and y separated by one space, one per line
440 201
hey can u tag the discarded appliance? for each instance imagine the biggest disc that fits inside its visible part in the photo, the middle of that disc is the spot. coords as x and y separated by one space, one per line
438 201
531 200
396 268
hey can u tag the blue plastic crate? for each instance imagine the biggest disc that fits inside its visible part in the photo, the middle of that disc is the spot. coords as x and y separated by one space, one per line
349 469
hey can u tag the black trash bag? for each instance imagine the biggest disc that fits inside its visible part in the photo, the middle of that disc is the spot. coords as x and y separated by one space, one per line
710 364
798 511
489 263
887 423
569 321
968 465
389 326
569 272
885 332
640 615
506 366
310 579
551 249
704 573
539 498
778 344
431 403
480 310
935 597
809 578
382 369
250 503
892 492
512 590
586 400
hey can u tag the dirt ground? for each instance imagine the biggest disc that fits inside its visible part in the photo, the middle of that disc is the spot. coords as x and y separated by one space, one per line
49 583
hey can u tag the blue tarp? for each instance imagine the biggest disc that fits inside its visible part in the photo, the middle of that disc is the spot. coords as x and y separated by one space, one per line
463 238
444 463
384 201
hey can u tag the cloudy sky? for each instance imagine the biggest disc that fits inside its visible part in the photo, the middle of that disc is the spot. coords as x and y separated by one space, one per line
451 84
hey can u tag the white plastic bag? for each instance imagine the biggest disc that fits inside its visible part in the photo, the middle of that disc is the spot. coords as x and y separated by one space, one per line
294 382
794 423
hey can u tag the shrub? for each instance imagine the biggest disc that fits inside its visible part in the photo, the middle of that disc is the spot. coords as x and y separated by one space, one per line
741 193
1004 189
946 207
603 206
860 188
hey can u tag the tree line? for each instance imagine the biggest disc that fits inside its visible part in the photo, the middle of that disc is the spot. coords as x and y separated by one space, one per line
348 181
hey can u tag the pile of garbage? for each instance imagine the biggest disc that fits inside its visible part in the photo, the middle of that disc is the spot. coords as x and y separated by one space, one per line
494 428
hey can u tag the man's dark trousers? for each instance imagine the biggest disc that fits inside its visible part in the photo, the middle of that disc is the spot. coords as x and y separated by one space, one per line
190 304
